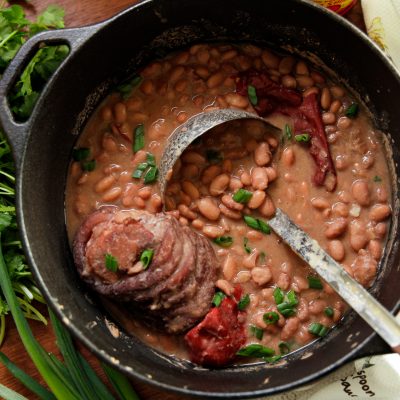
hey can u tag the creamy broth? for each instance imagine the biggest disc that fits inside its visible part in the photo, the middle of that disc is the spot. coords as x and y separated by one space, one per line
349 221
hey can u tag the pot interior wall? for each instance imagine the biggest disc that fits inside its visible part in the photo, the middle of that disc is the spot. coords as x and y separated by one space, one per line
132 39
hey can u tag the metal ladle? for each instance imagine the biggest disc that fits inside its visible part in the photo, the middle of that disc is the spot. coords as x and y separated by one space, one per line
380 320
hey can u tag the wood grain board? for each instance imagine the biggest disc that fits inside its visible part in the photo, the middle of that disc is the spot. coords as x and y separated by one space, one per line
78 13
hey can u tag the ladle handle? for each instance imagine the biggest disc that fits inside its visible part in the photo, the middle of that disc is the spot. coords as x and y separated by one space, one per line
377 316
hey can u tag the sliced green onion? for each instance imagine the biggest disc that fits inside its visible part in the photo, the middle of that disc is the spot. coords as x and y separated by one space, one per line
284 347
138 142
151 160
125 89
329 312
244 302
304 137
286 309
288 132
251 92
257 224
262 256
271 317
111 262
242 196
377 178
138 172
214 156
314 282
278 295
224 241
352 110
217 299
247 248
89 165
257 332
80 153
292 298
151 175
318 329
272 359
146 257
255 350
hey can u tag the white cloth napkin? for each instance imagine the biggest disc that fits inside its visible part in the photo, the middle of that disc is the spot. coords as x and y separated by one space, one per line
382 19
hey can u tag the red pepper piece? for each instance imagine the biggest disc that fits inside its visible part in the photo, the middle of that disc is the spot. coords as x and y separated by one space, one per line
215 340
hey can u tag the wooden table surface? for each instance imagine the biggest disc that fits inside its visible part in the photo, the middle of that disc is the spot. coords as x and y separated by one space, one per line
78 13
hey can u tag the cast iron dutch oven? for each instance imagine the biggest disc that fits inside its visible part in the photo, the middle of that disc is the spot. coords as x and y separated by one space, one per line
104 53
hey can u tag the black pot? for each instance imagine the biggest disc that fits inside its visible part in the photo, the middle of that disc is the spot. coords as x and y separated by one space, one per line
101 54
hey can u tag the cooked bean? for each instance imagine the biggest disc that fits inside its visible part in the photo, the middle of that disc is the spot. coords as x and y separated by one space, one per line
230 213
380 230
301 68
235 184
209 208
245 177
326 99
257 199
328 118
112 194
227 166
375 249
358 235
155 203
259 178
228 201
335 106
186 212
215 80
261 275
210 173
203 56
237 100
286 65
379 212
271 173
197 224
191 190
344 123
291 326
104 184
299 283
302 311
192 157
213 231
250 260
182 58
336 250
320 203
147 87
106 114
254 236
183 221
289 82
337 91
360 192
270 59
176 73
119 113
336 228
267 209
305 81
283 281
288 157
229 267
262 154
225 286
242 277
219 184
317 306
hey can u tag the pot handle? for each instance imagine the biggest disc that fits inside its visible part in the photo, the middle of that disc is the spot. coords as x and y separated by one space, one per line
17 132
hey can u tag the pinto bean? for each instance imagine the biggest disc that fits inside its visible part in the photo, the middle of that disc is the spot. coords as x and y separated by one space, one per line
326 98
119 113
213 231
254 235
112 194
380 230
104 184
245 177
191 190
270 59
336 250
145 192
262 154
375 249
147 87
379 212
288 157
291 326
360 192
235 184
305 81
229 267
215 80
328 118
192 157
267 209
320 203
259 178
210 173
336 227
250 260
209 208
257 199
317 306
283 281
289 82
225 286
299 283
227 166
271 173
230 213
261 275
197 224
358 235
302 311
236 100
286 65
230 203
219 184
186 212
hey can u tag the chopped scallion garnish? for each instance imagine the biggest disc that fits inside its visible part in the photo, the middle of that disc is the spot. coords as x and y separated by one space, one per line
256 350
284 347
352 110
247 248
257 224
314 282
329 312
146 257
244 302
242 196
288 132
304 137
377 178
217 299
285 304
126 88
278 295
224 241
138 172
89 165
151 175
251 92
256 331
138 142
272 359
80 153
318 329
271 317
111 262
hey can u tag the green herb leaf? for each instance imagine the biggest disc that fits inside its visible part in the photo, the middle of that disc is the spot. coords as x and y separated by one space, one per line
146 257
242 196
304 137
138 143
251 92
271 317
89 165
377 178
257 332
224 241
329 312
247 249
125 89
217 299
255 350
244 302
352 110
257 224
111 262
284 347
80 153
151 175
314 282
214 156
288 132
